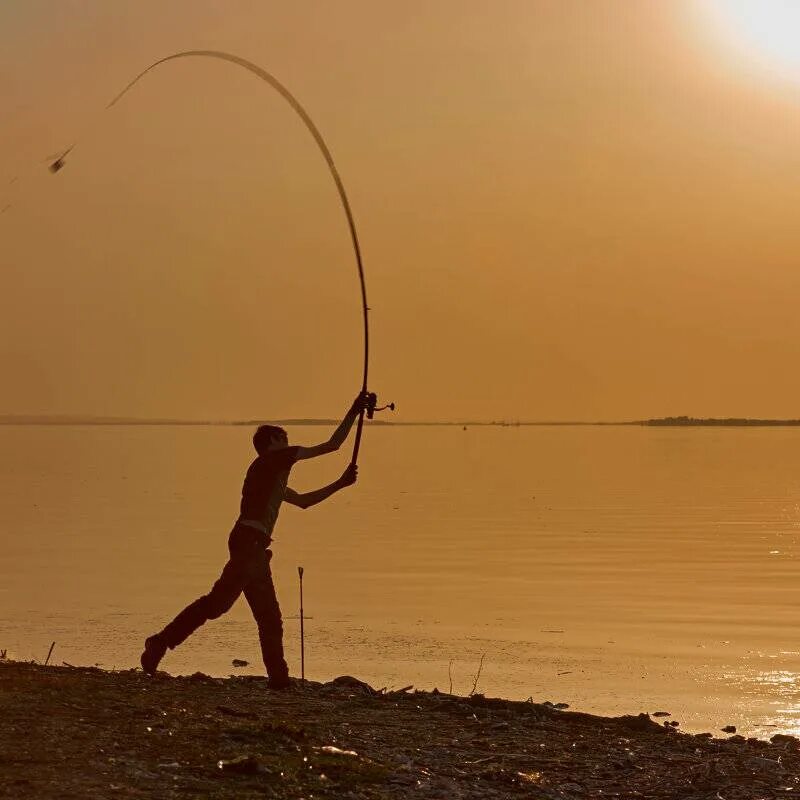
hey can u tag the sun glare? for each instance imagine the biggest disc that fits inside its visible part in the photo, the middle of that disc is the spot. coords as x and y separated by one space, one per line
766 32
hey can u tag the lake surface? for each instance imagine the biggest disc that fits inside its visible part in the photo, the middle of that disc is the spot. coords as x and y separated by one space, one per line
618 569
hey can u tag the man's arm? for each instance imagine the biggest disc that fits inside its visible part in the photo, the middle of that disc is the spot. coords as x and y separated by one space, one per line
309 499
339 435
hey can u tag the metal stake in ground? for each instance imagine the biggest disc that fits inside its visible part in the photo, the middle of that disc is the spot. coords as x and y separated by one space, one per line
302 632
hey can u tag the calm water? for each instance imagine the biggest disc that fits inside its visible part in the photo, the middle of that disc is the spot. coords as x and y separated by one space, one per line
616 569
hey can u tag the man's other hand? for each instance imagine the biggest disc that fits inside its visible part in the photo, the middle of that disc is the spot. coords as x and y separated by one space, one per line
349 476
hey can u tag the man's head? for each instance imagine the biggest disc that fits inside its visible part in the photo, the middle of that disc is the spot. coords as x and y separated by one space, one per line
269 437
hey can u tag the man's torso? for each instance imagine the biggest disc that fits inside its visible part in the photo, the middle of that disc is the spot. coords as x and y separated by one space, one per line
264 487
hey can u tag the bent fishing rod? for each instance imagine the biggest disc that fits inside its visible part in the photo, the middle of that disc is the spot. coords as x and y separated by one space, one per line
372 398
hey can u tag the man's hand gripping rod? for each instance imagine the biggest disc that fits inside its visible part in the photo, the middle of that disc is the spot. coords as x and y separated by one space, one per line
371 408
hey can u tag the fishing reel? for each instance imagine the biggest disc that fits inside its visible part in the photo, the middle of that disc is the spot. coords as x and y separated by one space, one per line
372 400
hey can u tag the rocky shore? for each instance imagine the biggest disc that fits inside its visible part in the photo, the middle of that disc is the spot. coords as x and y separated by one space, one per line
70 732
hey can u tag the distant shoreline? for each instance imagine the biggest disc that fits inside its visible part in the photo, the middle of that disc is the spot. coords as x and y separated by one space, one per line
665 422
711 422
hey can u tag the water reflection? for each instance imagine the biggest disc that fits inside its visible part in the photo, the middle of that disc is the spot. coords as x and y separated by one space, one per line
770 698
779 678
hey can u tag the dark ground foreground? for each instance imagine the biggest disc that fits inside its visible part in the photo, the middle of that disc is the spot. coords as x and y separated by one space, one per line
85 733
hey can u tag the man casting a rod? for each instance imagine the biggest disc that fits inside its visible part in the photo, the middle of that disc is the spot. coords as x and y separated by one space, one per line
265 488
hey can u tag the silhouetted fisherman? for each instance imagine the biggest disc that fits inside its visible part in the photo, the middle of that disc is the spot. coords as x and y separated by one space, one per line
248 569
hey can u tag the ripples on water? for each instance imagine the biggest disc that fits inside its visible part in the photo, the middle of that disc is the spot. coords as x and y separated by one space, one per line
619 569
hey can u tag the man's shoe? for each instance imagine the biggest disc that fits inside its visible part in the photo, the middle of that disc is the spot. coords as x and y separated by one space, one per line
154 649
279 684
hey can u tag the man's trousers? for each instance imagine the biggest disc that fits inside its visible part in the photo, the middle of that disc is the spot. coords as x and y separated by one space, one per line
248 572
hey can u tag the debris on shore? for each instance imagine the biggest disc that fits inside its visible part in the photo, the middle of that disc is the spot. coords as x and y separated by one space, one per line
88 733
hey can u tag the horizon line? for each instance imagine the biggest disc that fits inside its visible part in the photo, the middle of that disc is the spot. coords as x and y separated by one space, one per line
100 420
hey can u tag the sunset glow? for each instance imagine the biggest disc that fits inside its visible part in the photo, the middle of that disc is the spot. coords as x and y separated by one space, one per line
765 31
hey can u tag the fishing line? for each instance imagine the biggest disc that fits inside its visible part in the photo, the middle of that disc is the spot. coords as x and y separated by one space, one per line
314 131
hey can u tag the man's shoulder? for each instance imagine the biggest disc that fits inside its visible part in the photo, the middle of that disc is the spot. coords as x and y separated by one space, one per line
274 460
286 456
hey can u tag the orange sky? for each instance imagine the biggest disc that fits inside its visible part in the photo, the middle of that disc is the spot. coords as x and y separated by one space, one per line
568 210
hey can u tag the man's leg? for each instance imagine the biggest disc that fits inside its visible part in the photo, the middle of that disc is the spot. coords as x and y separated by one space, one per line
260 594
222 596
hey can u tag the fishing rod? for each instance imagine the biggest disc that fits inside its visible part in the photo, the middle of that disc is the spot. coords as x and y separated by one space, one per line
372 398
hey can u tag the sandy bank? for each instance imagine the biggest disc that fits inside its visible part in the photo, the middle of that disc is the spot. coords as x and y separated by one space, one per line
85 733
